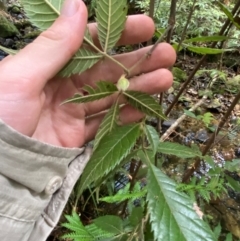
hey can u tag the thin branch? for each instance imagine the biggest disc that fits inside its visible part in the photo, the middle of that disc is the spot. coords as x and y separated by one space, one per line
149 53
186 26
132 183
180 119
151 15
190 77
172 19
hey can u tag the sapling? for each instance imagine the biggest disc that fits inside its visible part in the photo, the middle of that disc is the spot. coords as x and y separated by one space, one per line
114 143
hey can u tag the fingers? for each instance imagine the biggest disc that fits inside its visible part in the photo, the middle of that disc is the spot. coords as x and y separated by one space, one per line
163 56
151 83
127 115
133 32
41 60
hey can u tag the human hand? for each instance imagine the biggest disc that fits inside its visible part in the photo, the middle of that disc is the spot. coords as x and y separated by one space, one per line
31 94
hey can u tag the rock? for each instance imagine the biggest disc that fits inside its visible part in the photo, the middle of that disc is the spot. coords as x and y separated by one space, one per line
190 137
2 55
2 40
202 136
9 43
237 152
27 40
7 29
168 123
170 98
20 16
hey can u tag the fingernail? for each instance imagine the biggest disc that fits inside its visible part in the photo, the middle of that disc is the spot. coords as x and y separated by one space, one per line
70 7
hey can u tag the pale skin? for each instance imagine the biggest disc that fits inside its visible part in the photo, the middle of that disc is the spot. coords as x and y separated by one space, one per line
31 94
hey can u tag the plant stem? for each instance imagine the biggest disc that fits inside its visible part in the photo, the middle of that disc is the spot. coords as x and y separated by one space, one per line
180 119
148 54
151 15
106 55
172 19
132 183
186 25
190 77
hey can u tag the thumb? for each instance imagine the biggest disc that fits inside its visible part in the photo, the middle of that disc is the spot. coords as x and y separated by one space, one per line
42 59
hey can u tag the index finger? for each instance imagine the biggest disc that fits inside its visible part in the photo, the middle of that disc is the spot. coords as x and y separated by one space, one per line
41 60
138 28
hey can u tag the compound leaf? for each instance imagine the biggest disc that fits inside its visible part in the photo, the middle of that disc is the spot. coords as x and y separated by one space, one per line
84 233
112 148
42 13
178 150
152 137
144 102
103 89
111 17
172 213
109 122
84 59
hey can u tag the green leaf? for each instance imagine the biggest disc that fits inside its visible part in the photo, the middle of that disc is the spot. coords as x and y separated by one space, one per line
178 150
102 90
152 137
111 17
110 224
84 233
42 14
190 114
172 213
9 51
203 50
144 103
209 160
124 194
146 156
214 38
110 151
74 223
136 216
217 231
109 122
233 166
233 183
229 237
116 169
228 14
84 59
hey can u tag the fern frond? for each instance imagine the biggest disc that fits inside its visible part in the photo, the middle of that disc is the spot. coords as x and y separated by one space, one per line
125 194
214 187
79 232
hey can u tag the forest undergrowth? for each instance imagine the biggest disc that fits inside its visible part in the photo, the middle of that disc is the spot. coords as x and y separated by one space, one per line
181 164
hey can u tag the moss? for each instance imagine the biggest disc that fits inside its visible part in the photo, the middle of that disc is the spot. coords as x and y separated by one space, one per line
7 28
179 75
32 34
